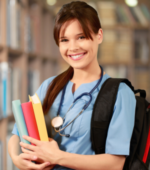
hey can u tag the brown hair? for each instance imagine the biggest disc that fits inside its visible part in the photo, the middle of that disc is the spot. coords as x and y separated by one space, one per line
86 15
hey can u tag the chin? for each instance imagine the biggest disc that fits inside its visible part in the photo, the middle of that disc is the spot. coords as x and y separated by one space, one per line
78 65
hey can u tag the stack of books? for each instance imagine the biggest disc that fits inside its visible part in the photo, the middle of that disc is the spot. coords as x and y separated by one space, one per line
29 118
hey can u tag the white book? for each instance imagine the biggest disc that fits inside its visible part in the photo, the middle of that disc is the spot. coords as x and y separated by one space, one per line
144 51
13 23
16 83
9 97
35 81
8 23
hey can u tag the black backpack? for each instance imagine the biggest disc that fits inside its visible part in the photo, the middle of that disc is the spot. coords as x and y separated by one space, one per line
139 158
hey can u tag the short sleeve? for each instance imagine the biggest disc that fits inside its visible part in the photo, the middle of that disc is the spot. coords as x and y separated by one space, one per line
41 91
122 122
15 130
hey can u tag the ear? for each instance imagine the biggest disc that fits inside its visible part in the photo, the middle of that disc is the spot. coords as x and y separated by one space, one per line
100 36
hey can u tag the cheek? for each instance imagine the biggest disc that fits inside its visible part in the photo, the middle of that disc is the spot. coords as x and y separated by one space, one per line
62 50
87 45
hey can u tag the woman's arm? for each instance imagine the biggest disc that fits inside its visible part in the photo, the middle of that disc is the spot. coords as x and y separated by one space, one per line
94 162
50 152
13 146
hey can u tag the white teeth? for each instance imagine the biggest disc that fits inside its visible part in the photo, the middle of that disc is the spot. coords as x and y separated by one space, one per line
76 56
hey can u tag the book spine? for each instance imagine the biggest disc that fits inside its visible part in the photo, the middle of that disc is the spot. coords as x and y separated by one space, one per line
19 118
30 121
40 122
4 70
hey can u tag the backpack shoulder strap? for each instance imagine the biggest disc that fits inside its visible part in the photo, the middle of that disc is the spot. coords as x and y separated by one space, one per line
102 112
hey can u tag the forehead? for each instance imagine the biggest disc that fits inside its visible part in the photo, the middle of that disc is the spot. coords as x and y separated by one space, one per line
70 27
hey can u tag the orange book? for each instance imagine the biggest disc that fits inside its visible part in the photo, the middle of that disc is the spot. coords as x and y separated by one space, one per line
39 117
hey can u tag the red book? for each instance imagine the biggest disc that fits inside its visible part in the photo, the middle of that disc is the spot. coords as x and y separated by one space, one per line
30 121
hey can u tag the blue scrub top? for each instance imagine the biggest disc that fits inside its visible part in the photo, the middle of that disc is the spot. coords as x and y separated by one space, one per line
120 128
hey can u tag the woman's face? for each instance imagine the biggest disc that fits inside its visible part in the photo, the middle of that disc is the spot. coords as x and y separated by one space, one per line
75 49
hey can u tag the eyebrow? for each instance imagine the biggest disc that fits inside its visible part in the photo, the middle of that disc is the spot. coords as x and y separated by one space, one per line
76 35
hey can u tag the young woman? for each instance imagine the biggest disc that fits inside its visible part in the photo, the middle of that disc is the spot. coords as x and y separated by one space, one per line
77 33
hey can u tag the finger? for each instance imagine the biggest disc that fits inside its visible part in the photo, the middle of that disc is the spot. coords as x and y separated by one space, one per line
28 146
38 166
29 157
31 140
26 151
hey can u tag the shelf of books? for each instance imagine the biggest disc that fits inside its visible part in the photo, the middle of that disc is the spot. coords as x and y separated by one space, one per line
29 55
124 51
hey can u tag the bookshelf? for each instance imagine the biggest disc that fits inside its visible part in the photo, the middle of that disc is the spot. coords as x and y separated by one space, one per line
127 40
31 53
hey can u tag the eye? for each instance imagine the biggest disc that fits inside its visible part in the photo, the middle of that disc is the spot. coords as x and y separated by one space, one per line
82 37
63 40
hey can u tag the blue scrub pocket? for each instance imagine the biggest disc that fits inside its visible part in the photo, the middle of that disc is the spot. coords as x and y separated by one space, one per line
74 128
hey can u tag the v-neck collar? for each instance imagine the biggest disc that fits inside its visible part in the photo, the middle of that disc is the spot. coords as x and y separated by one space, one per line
85 87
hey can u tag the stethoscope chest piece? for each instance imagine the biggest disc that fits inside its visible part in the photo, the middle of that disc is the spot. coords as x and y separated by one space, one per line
57 122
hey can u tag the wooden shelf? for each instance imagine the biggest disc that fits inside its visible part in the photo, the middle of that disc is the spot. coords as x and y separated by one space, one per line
32 55
1 47
139 63
114 63
14 51
11 117
49 57
127 26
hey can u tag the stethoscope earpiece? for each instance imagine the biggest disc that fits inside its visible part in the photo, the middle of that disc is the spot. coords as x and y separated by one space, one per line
57 121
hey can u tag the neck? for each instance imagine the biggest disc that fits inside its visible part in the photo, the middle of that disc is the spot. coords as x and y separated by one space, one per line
86 74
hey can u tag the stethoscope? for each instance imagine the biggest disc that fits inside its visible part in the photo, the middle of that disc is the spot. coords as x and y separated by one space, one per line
57 121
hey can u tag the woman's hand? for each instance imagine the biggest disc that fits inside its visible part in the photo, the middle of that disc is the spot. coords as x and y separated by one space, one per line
45 151
23 162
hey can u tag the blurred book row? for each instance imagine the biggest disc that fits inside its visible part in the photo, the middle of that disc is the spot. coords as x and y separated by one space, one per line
112 13
10 165
124 45
11 86
141 78
28 28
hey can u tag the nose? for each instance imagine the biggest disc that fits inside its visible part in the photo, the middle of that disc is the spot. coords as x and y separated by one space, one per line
73 46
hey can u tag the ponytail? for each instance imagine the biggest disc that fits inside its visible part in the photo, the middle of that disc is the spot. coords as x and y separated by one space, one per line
55 87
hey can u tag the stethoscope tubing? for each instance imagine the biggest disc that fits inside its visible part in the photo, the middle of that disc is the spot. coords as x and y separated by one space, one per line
84 108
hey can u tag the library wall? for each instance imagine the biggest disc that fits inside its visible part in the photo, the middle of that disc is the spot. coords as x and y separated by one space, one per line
29 55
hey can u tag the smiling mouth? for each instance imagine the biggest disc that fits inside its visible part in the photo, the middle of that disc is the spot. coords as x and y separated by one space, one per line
78 56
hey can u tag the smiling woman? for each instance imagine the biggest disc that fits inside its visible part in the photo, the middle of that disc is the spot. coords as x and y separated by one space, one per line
75 46
69 99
